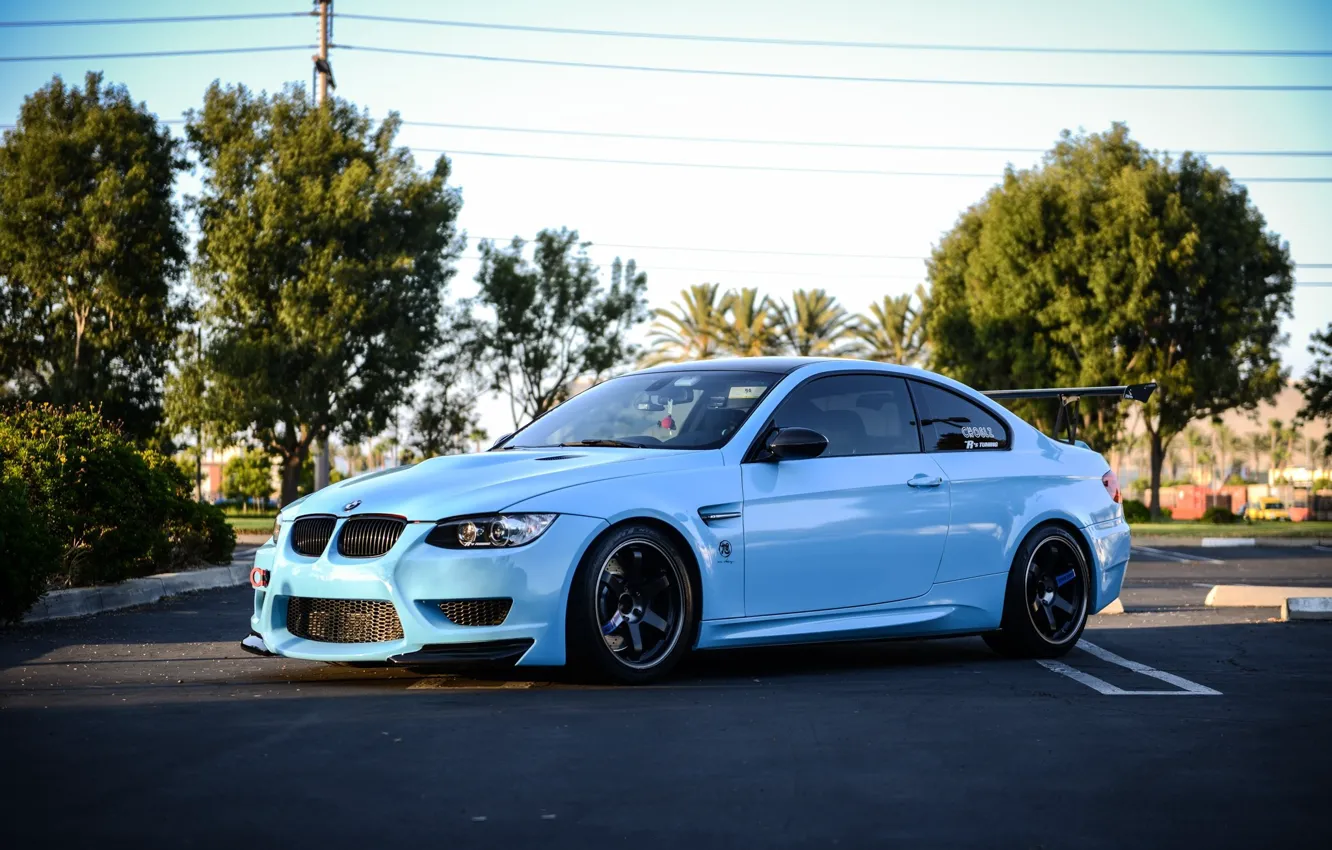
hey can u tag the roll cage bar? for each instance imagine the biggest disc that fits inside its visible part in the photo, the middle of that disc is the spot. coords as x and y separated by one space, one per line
1068 395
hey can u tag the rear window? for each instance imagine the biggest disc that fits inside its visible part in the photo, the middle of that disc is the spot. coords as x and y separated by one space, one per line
950 423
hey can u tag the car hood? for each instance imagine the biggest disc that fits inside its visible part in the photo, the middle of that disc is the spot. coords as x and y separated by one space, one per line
489 481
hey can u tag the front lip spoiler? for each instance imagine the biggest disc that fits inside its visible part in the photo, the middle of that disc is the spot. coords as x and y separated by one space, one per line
254 644
466 654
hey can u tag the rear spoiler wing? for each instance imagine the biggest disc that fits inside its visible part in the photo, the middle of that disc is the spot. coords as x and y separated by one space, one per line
1068 395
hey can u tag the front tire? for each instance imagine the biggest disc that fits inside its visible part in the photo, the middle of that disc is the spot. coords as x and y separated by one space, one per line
1047 599
633 607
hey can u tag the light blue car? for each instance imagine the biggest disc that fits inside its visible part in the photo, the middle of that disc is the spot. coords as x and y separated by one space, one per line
701 506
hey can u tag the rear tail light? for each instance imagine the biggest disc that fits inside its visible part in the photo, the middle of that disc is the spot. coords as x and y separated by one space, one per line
1111 482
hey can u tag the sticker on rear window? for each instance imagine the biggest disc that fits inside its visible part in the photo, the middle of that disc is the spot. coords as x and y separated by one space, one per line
746 392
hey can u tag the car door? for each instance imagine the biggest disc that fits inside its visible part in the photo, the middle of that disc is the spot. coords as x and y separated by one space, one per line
863 523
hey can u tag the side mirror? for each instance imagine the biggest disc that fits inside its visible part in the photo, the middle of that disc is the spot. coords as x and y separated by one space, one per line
795 443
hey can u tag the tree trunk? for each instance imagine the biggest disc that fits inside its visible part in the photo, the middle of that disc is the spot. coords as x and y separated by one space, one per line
1158 455
291 476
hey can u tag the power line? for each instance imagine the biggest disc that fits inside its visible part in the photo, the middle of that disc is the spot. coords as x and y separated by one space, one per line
949 148
773 75
727 250
792 169
869 45
156 54
665 137
174 19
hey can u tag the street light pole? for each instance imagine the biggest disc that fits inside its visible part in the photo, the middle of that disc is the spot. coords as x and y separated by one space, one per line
323 454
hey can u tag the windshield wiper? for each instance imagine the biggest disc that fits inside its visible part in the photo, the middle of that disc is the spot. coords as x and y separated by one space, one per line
607 443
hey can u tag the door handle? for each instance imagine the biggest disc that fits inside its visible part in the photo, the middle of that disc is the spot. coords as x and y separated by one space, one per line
920 479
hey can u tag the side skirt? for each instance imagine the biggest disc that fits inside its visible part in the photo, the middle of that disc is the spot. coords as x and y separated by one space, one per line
965 606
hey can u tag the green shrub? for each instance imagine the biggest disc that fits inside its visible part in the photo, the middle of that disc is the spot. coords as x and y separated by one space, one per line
1219 515
1136 511
115 511
29 555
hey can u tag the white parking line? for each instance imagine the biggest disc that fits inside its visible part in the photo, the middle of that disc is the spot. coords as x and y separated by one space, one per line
1186 687
1177 557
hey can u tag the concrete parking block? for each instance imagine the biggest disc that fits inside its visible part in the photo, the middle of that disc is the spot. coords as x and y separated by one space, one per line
1257 596
1116 607
1307 608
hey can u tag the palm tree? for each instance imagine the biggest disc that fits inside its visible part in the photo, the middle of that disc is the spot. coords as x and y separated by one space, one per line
1195 441
691 330
1223 443
814 323
749 326
1255 444
894 329
1275 428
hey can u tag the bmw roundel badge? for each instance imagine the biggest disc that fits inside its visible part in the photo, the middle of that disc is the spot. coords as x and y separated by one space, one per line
351 506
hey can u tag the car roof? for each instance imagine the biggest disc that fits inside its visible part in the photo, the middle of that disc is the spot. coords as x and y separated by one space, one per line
777 365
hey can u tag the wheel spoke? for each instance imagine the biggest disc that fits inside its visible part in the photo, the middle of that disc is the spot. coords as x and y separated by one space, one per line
636 635
1049 615
612 624
1062 604
652 588
653 619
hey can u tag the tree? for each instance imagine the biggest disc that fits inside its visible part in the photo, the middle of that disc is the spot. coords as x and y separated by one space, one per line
1255 443
1109 264
749 326
323 256
894 329
445 416
549 322
1317 383
1197 443
90 244
248 476
690 330
813 324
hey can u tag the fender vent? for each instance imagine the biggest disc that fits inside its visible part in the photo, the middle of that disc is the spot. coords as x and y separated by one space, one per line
309 535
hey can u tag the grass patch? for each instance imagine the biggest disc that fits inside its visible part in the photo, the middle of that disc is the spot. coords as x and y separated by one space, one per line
251 523
1239 529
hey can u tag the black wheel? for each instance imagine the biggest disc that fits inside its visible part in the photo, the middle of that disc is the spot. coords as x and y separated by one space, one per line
1047 598
633 610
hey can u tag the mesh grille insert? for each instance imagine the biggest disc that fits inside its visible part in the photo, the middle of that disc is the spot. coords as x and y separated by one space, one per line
476 612
309 535
343 620
368 537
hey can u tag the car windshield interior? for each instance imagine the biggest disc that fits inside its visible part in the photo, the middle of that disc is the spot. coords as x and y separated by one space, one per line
665 410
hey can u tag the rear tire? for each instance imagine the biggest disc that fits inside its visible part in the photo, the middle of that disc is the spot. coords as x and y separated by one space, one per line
1047 599
633 607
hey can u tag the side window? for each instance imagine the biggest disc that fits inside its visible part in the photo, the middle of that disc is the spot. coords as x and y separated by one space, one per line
859 414
949 422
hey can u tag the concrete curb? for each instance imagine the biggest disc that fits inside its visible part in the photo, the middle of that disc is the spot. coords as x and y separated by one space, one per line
82 601
1166 542
1307 608
252 538
1257 596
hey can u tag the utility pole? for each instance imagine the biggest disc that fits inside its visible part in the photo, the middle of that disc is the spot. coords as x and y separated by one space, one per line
323 464
323 69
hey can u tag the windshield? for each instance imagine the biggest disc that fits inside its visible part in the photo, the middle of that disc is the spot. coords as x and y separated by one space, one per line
665 410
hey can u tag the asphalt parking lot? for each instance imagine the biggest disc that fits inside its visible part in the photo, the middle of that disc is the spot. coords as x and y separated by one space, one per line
1174 725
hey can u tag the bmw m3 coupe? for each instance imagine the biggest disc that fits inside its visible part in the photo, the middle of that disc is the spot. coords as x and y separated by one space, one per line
708 505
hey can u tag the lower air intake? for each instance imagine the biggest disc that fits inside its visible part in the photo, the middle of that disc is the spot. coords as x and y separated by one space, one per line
476 612
343 620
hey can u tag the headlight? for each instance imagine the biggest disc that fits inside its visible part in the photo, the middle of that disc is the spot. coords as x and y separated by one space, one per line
496 531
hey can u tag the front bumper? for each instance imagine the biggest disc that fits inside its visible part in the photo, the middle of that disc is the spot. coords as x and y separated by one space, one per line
415 577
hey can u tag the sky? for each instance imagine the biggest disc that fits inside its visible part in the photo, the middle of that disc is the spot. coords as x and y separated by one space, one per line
741 227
